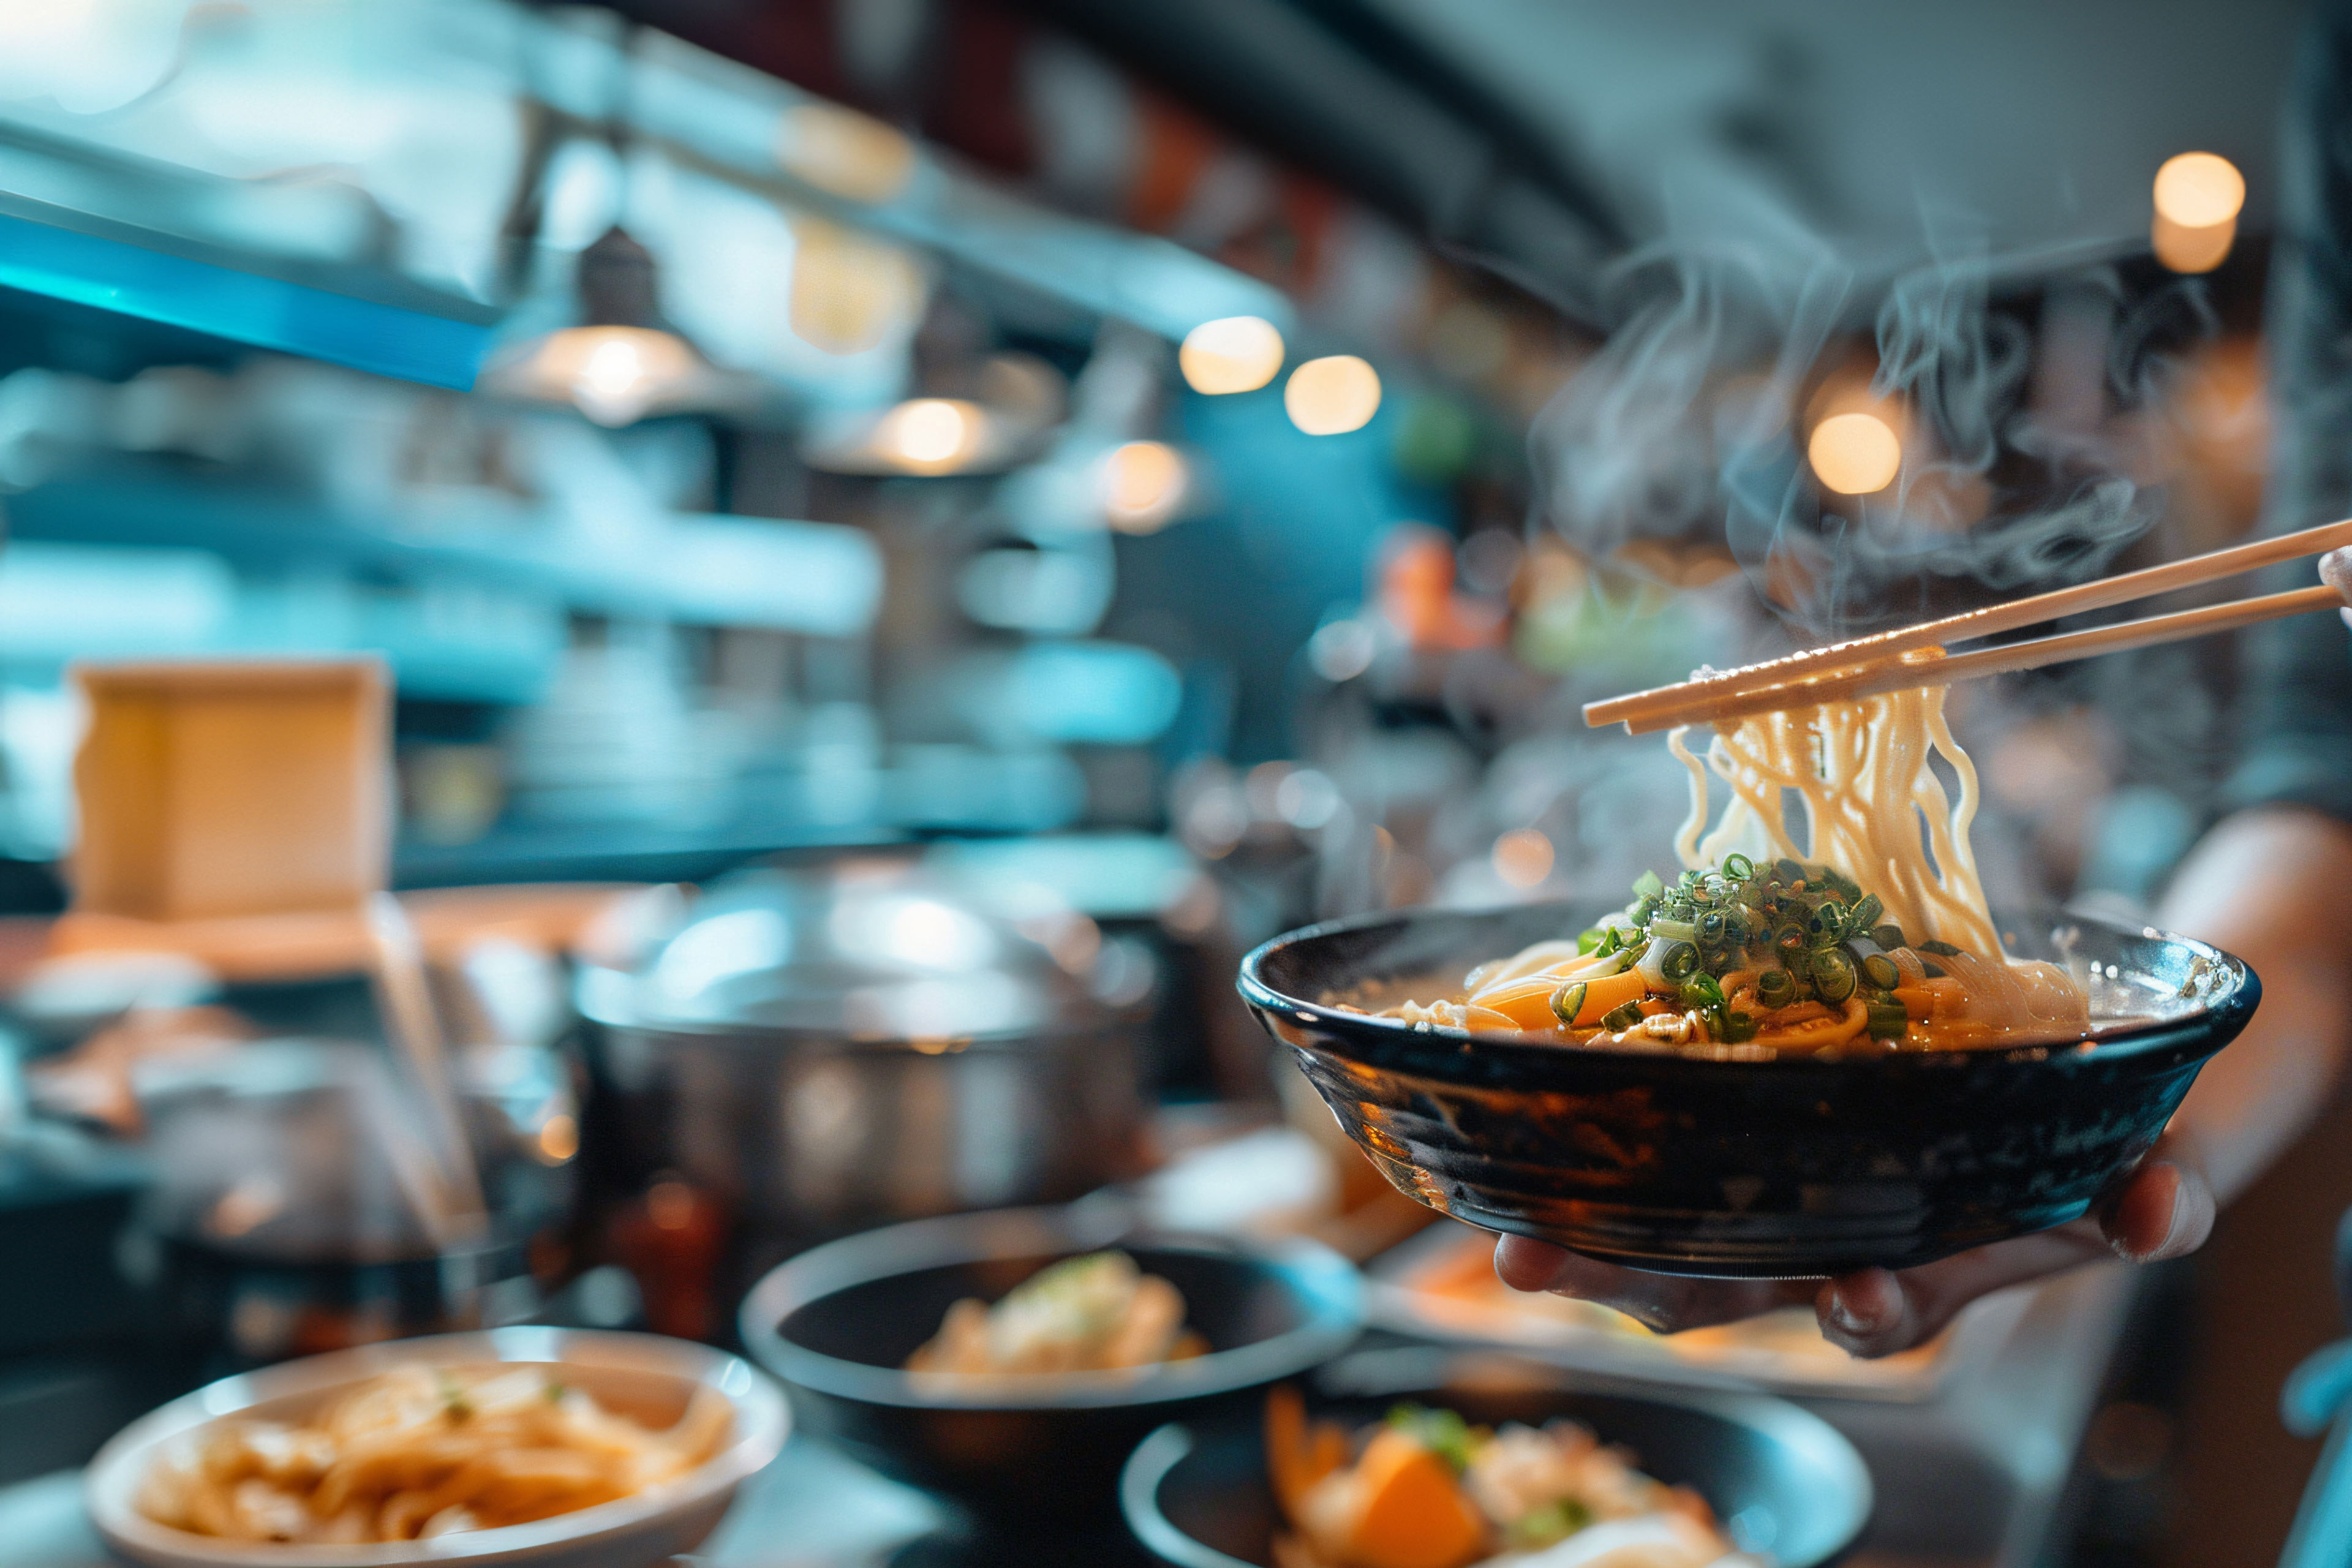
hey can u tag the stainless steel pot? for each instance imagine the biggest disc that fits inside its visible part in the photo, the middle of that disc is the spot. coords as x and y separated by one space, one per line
826 1046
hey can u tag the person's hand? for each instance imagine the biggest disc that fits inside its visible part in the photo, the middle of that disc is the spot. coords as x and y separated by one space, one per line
2165 1209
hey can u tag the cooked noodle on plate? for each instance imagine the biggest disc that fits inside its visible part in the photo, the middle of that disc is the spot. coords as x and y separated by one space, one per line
422 1452
1834 906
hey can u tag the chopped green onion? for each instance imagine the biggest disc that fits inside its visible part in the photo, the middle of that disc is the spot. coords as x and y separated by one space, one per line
1711 927
1889 937
1674 930
1647 886
1880 971
1865 913
1934 971
1788 872
1775 987
1701 992
1620 1018
1611 940
1940 948
1888 1019
1568 1002
1443 1432
1833 976
1680 961
1736 1027
1739 867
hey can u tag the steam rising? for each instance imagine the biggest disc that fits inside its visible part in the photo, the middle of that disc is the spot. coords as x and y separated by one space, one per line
2016 383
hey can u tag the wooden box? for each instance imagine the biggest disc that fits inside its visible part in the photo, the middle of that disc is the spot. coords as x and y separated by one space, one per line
228 788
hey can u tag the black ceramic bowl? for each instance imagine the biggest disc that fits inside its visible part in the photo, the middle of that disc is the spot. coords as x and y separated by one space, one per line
837 1323
1781 1481
1787 1168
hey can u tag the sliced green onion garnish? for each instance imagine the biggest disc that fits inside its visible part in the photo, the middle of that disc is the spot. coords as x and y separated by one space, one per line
1880 971
1680 961
1587 942
1865 913
1775 987
1568 1002
1889 937
1739 867
1647 886
1620 1018
1940 948
1889 1020
1736 1027
1833 976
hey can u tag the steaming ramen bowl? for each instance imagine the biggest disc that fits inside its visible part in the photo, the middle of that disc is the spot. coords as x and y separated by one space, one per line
1788 1167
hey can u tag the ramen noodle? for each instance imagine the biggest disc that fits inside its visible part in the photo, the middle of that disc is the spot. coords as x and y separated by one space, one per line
419 1453
1834 905
1095 1313
1426 1489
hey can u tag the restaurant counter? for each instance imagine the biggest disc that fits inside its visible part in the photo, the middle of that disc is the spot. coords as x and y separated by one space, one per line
1973 1480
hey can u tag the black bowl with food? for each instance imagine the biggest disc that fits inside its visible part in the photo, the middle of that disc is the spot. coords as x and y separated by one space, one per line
1774 1481
1729 1160
1040 1448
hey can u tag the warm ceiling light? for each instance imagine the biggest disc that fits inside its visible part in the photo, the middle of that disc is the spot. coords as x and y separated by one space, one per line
1333 395
2190 249
1234 353
2199 190
1142 485
615 375
1854 454
930 435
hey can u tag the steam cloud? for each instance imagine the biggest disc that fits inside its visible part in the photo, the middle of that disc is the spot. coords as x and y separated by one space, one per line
2012 379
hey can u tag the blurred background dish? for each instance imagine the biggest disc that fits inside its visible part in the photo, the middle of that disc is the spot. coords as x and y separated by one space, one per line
648 1378
1039 1454
1783 1484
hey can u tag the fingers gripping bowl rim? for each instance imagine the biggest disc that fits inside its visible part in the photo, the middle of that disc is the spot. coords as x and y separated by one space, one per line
1790 1167
640 1527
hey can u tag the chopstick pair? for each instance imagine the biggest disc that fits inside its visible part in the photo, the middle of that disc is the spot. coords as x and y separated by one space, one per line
1916 655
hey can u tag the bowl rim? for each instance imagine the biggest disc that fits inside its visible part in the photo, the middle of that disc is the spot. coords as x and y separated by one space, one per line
2244 991
763 1422
1331 1288
1778 1418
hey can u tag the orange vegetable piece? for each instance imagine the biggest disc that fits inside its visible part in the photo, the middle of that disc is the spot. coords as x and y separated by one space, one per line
1296 1457
1413 1513
1607 994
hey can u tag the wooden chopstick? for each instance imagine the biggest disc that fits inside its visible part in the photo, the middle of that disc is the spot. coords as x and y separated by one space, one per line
1933 667
1644 711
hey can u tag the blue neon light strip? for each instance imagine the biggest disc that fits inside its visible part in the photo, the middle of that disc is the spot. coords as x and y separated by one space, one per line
417 335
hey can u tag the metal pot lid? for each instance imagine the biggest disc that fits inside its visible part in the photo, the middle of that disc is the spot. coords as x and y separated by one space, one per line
872 947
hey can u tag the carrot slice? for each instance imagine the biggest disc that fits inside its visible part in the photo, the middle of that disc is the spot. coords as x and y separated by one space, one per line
1296 1456
1412 1512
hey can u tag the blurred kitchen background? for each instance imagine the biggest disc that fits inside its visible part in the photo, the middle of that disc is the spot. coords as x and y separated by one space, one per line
917 523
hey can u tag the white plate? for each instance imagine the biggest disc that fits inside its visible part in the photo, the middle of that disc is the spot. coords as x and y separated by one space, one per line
618 1369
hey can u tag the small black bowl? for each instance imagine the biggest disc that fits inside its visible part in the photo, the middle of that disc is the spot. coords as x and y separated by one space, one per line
1781 1481
1788 1168
837 1323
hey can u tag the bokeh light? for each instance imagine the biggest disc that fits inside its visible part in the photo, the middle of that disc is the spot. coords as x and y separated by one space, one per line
1522 858
1233 354
1332 396
1854 454
1143 483
930 435
2199 190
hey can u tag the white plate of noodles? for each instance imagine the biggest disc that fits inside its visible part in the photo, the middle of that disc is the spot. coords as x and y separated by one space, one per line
555 1448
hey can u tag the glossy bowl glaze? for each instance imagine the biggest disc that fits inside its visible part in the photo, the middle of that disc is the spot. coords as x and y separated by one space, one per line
1783 1483
1787 1168
1030 1453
